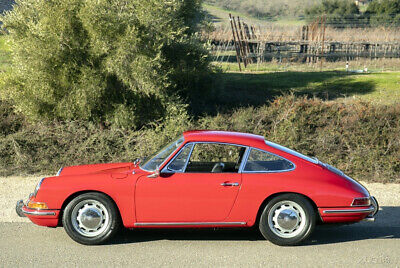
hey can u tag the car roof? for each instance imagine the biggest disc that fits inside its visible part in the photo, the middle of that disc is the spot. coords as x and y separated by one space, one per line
224 136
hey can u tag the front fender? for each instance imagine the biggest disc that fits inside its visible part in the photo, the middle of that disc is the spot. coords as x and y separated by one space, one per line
56 192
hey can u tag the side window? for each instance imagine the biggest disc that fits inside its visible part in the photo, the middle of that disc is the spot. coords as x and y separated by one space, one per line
215 158
178 164
260 161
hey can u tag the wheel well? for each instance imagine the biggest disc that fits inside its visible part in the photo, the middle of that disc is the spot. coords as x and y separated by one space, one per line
72 196
266 201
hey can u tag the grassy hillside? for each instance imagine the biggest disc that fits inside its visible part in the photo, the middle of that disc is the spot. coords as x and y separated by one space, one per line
220 17
265 10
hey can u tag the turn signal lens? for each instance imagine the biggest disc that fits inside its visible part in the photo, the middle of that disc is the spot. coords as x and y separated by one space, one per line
37 205
361 202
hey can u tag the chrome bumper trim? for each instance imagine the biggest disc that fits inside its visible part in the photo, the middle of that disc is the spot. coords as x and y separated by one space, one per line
38 213
375 205
360 210
187 223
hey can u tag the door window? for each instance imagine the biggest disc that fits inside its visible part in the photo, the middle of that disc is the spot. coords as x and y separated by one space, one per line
261 161
215 158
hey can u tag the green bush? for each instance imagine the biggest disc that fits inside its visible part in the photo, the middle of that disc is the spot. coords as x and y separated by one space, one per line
113 62
338 13
358 137
384 12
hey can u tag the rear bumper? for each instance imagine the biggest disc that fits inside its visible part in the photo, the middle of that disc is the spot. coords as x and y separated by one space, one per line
42 217
350 214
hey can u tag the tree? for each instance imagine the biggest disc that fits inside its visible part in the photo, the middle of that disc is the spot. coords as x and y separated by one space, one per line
118 62
384 12
339 13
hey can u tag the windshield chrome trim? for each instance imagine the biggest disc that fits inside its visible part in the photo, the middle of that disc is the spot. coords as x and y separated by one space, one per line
166 169
272 171
165 160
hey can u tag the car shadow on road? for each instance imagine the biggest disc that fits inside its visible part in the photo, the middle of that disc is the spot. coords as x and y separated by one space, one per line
386 226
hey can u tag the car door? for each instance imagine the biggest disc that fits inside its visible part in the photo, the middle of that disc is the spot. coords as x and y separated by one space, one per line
200 184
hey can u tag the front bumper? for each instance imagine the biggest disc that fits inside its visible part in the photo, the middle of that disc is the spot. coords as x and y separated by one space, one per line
43 217
350 214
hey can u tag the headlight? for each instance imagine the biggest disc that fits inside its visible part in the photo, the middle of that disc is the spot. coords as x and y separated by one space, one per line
59 171
38 187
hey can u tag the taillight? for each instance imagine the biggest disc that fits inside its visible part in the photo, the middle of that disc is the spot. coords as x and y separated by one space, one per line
361 202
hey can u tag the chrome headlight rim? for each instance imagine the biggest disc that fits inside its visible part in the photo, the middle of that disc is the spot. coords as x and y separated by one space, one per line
38 187
59 171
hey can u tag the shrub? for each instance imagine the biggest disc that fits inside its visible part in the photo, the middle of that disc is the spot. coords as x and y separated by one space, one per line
338 13
384 12
360 138
102 61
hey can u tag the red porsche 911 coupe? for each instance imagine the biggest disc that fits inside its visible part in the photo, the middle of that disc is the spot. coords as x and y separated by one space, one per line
202 179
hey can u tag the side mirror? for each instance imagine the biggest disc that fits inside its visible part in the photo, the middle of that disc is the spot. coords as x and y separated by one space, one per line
155 174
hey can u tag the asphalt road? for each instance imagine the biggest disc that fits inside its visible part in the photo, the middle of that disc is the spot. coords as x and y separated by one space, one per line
362 244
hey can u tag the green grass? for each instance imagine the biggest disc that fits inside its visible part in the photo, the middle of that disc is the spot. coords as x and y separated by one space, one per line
232 90
220 17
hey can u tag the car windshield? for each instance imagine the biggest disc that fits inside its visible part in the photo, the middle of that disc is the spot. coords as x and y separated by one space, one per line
292 152
156 160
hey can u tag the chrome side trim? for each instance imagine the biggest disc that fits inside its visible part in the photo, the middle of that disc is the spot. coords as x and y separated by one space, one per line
361 210
38 213
187 223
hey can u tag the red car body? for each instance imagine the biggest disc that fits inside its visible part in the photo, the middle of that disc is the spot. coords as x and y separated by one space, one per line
203 199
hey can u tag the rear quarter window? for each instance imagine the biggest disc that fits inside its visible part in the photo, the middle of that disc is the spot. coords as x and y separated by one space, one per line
261 161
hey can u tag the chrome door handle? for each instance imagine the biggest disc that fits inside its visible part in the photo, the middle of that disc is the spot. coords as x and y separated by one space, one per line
230 184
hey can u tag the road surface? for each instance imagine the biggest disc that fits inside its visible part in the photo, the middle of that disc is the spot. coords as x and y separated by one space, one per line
371 244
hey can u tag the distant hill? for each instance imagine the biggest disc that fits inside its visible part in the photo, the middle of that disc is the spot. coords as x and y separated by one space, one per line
266 9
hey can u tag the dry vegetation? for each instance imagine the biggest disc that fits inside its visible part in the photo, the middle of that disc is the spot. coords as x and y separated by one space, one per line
280 33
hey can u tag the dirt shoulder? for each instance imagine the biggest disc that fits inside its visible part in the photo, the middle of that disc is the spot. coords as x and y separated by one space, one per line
13 189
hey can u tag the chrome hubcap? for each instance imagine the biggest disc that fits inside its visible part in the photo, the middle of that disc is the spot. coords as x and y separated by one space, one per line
286 219
90 218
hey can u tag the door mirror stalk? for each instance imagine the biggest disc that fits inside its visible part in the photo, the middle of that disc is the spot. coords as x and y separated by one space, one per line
155 174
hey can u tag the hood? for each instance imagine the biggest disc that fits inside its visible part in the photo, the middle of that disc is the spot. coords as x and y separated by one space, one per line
95 168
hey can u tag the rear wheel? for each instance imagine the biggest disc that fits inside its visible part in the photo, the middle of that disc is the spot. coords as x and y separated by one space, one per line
91 218
287 220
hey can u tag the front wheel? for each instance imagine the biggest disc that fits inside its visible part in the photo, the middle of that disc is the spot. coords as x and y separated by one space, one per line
91 218
287 220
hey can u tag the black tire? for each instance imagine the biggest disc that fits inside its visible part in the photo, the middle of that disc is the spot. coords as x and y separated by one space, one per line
291 211
91 218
